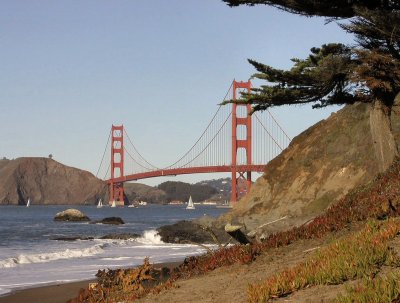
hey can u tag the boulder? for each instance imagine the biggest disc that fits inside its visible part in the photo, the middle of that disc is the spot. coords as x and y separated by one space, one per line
190 232
71 215
110 220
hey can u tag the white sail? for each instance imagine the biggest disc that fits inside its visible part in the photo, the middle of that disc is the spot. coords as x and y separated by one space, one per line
100 204
28 203
190 204
113 204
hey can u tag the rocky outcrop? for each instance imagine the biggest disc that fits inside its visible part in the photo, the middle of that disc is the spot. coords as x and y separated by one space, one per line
110 220
72 215
320 166
189 232
46 181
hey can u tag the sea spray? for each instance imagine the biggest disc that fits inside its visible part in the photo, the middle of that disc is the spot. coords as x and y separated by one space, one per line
53 256
150 237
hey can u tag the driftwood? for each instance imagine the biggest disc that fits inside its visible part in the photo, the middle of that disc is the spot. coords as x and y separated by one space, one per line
212 234
235 232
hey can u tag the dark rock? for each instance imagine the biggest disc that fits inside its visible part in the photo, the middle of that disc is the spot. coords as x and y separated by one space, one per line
187 231
110 220
72 238
71 215
125 236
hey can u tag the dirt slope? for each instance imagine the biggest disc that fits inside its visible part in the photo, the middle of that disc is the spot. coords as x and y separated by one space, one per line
321 165
46 181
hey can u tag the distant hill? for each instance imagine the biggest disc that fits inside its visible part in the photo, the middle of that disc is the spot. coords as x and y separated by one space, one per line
223 187
46 181
181 191
142 192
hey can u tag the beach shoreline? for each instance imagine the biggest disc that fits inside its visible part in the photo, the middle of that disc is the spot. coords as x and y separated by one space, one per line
53 293
58 292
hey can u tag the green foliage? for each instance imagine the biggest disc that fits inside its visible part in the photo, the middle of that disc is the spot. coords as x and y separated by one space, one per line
323 77
356 256
334 8
334 73
378 290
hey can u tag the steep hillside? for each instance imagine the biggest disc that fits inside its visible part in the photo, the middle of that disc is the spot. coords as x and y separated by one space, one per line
46 181
320 166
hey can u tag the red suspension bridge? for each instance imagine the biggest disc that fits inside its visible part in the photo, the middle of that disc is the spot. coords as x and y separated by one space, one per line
233 142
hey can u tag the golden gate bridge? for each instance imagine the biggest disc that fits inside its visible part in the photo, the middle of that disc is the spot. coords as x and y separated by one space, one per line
235 141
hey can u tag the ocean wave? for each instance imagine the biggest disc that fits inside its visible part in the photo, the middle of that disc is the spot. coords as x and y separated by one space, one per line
150 237
47 257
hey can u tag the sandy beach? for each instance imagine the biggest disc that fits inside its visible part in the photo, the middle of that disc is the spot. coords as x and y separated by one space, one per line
58 293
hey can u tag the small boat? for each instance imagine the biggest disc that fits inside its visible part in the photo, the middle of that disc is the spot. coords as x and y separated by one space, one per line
28 203
131 205
142 203
190 204
113 204
99 204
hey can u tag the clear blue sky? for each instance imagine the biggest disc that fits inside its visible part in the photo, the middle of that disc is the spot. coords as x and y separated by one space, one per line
70 69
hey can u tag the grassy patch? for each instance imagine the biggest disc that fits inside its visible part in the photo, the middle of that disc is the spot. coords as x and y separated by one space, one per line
357 256
378 290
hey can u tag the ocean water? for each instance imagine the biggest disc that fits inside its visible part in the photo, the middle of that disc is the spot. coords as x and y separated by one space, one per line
29 257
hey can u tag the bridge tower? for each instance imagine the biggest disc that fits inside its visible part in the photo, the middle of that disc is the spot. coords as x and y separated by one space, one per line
244 143
117 164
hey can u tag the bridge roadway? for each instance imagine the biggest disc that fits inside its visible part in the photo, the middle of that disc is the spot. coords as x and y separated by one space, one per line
189 170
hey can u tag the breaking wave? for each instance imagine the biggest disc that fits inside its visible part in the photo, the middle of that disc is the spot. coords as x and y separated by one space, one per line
47 257
150 237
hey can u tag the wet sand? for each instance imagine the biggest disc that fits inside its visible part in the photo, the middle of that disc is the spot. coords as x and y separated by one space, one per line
56 293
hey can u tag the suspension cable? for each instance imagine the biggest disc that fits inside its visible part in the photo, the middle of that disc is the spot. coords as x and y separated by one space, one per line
151 165
219 108
104 153
198 155
135 160
269 134
281 128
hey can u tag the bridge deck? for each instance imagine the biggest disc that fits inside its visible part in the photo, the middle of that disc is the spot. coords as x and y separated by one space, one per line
189 170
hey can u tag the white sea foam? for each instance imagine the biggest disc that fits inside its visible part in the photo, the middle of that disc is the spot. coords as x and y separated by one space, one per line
150 237
47 257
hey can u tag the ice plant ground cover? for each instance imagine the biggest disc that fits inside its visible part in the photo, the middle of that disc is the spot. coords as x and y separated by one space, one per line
356 256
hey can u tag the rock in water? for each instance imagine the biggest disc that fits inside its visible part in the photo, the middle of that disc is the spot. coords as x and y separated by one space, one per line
110 220
124 236
72 215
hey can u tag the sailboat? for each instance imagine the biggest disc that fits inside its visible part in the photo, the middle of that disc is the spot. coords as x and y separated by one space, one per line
190 204
113 204
28 203
100 204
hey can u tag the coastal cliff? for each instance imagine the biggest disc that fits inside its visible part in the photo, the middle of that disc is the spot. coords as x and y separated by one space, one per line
320 166
46 181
